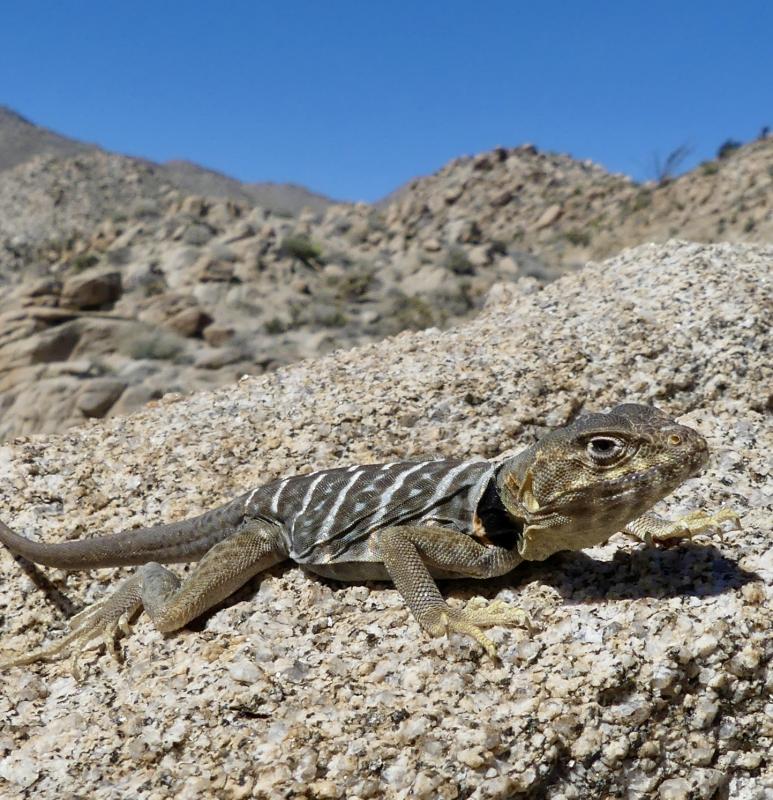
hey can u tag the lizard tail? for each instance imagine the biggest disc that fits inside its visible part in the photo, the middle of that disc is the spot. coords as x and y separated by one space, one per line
175 542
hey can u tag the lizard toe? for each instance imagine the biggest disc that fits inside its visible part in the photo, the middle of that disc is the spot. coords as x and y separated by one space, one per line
471 620
497 612
695 523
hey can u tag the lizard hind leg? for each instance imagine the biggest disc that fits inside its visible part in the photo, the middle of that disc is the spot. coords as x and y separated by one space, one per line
170 602
99 621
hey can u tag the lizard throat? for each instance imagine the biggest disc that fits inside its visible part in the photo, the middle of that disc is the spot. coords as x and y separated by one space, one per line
498 527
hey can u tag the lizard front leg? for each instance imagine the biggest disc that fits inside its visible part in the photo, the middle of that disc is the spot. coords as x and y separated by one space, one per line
170 603
654 529
408 553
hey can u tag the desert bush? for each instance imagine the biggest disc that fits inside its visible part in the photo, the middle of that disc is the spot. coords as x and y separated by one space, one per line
413 313
642 200
458 262
84 261
302 248
153 345
664 169
355 285
727 148
577 237
275 325
335 319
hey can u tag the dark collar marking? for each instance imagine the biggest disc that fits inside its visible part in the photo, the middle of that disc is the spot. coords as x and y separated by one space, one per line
499 528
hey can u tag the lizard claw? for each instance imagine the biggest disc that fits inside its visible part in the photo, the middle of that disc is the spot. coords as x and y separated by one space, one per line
98 623
690 525
470 620
497 612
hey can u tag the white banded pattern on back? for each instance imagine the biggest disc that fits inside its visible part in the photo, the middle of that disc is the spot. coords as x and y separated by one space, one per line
330 519
277 495
331 514
397 484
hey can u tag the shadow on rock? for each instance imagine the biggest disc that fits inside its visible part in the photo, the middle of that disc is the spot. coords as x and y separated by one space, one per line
687 570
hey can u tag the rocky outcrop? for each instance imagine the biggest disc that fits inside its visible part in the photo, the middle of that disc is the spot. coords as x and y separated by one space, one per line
647 672
175 278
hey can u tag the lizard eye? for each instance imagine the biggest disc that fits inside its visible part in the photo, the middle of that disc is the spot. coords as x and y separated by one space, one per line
603 449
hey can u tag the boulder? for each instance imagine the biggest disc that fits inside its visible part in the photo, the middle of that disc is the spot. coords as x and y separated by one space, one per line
189 322
92 289
548 217
98 396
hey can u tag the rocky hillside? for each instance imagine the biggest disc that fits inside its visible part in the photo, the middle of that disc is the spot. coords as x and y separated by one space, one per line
281 198
117 286
646 672
20 141
566 212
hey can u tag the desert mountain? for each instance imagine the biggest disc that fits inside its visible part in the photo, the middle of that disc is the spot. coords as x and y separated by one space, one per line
21 140
281 198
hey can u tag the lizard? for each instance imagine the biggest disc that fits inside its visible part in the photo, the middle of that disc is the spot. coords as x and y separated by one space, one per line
407 522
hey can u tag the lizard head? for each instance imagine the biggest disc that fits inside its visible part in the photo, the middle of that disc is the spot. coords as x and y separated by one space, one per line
580 484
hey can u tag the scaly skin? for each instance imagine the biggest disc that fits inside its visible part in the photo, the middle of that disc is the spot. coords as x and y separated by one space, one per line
407 522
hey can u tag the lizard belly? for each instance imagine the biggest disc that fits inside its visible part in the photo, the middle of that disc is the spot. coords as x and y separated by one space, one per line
354 571
350 571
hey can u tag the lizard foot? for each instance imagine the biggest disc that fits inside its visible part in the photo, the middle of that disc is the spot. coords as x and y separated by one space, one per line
99 622
690 525
472 618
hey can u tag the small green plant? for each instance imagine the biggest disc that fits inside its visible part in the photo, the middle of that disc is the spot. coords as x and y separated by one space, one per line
727 148
336 319
302 248
275 326
458 262
749 226
84 261
642 200
413 313
577 237
155 345
709 168
352 286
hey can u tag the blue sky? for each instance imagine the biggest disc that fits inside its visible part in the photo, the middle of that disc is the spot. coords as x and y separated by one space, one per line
354 98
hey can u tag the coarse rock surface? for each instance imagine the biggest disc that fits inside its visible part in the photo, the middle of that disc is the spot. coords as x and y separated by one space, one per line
647 673
195 290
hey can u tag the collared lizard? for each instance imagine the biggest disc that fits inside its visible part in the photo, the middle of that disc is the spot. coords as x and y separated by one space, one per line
408 522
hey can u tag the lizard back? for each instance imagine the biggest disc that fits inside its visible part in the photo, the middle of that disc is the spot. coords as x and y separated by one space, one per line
330 516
